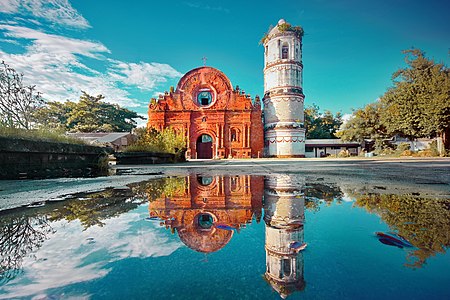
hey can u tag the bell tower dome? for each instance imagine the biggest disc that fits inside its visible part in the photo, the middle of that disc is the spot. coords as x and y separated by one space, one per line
284 132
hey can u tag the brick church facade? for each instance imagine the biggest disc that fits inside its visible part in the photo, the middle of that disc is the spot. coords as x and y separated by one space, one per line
218 120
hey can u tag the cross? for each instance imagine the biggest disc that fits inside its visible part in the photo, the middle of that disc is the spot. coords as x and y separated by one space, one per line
204 58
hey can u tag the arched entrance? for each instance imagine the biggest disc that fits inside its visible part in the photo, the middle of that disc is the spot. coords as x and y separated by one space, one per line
204 147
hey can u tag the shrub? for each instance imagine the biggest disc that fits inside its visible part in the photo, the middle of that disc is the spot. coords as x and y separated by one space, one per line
433 148
344 153
407 153
425 153
403 146
166 141
38 135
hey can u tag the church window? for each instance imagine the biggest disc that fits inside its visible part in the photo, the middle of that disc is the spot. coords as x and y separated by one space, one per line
285 51
204 180
205 221
234 183
234 135
204 98
286 267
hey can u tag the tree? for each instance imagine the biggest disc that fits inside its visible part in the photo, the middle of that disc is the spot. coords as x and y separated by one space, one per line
54 115
418 105
321 126
90 114
364 124
17 101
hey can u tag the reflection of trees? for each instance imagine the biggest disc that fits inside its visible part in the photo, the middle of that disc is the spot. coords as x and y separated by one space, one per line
92 208
423 222
154 189
316 192
19 236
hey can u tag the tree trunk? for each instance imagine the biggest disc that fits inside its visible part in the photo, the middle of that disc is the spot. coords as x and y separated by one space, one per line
446 138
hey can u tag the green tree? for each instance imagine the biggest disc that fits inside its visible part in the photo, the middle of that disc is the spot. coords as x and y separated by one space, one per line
364 124
321 125
418 105
17 100
90 114
54 115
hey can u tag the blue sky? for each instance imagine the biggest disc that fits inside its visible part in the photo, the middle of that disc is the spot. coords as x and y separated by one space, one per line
132 50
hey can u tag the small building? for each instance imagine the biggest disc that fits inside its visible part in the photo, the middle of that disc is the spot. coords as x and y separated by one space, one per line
415 145
116 140
330 147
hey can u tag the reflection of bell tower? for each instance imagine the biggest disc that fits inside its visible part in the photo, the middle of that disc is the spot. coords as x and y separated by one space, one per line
284 206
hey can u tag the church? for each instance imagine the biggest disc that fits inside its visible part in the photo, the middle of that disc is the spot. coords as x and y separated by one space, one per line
220 121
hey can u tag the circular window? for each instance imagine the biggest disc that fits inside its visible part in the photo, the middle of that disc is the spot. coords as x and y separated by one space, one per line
204 180
204 97
205 221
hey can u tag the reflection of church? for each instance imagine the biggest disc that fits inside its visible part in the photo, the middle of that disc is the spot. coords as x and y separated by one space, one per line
209 200
205 201
218 120
284 206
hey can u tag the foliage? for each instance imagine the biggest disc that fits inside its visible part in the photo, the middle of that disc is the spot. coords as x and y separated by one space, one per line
20 235
166 141
297 30
403 146
434 148
364 124
419 103
17 101
344 153
166 187
90 114
321 125
316 192
92 209
422 221
39 135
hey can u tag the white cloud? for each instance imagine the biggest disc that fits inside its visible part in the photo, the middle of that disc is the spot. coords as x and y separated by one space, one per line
54 64
143 75
66 258
55 11
346 117
9 6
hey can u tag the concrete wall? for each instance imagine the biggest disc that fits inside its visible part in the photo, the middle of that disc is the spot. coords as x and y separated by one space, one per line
22 159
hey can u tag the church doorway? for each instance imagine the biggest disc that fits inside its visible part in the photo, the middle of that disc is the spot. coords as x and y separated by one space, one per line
204 147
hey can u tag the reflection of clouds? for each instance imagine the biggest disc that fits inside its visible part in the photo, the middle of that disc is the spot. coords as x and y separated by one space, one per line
347 198
72 255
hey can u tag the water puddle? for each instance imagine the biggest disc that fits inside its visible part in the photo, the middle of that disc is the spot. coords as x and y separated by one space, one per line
219 237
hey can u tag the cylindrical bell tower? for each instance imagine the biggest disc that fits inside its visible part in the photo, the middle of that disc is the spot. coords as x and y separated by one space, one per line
284 215
284 132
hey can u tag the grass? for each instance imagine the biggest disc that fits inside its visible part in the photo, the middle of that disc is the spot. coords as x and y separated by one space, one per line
38 135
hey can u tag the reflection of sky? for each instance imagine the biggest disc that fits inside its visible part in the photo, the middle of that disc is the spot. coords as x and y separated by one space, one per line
73 256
